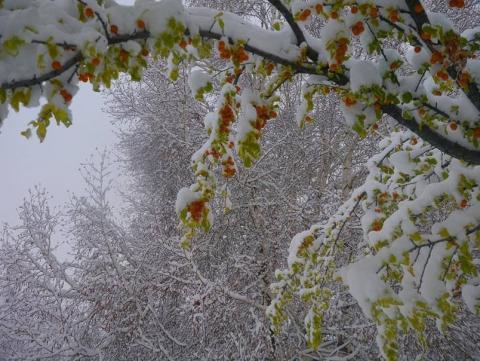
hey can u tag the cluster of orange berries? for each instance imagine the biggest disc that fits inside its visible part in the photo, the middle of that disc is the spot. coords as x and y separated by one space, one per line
66 95
358 28
124 55
456 3
394 15
269 68
377 225
140 24
349 101
229 167
196 209
442 75
263 115
240 55
227 117
85 77
214 153
304 15
340 53
223 50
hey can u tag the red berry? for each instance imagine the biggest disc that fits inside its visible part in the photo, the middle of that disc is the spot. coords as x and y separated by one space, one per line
56 65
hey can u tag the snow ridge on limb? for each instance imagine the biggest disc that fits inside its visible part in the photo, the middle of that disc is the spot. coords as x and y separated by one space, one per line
107 39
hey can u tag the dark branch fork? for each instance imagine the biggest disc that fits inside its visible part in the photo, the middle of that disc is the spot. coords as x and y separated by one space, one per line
420 18
277 4
447 146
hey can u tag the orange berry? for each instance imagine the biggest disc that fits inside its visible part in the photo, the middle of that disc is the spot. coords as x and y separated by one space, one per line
88 12
436 58
183 44
114 29
354 9
304 15
394 15
358 28
376 225
140 24
319 8
442 75
196 209
225 54
456 3
124 55
66 95
375 126
464 79
413 141
349 101
453 126
56 65
269 68
374 12
334 15
476 133
463 203
418 7
83 77
95 61
418 49
425 36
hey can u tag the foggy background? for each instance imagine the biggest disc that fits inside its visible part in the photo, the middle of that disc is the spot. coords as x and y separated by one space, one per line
54 163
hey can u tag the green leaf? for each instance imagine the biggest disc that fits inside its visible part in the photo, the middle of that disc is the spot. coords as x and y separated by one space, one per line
11 45
41 131
407 97
27 133
52 48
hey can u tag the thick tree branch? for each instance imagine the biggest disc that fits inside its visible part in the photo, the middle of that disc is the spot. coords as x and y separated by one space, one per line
143 35
277 4
45 77
418 14
454 149
445 145
420 18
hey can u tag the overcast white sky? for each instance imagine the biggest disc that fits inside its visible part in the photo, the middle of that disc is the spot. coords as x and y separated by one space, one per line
55 162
